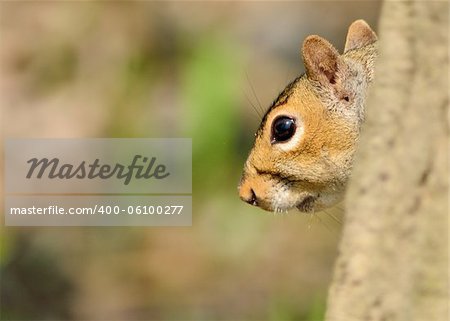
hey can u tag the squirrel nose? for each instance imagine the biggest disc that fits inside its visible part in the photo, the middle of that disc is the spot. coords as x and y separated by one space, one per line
247 194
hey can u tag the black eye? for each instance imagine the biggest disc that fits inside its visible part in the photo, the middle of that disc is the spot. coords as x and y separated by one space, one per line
283 128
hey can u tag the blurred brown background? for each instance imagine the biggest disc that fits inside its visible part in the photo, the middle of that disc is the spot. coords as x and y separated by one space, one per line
165 69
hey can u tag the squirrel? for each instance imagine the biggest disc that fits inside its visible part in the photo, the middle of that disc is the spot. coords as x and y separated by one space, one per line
304 148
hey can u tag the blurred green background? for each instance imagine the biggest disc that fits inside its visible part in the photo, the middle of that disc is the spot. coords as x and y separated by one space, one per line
165 69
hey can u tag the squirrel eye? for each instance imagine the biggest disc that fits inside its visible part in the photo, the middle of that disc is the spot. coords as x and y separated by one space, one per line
283 128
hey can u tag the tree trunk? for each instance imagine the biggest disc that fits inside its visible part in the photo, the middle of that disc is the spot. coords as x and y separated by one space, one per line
393 261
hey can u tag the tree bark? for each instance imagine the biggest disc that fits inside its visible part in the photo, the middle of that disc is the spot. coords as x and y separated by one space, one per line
393 261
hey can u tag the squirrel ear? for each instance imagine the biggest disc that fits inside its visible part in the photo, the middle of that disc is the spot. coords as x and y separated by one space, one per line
359 35
320 59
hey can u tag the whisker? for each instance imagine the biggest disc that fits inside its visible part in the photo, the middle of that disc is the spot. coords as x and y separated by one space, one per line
339 209
254 93
333 217
309 220
256 110
323 223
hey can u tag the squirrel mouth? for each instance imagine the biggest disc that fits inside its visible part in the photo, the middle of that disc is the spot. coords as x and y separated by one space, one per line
307 205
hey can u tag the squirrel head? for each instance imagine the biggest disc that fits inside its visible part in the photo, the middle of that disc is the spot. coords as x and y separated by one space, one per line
303 151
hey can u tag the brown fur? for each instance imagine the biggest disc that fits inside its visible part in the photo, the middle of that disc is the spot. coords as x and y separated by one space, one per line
359 35
311 170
